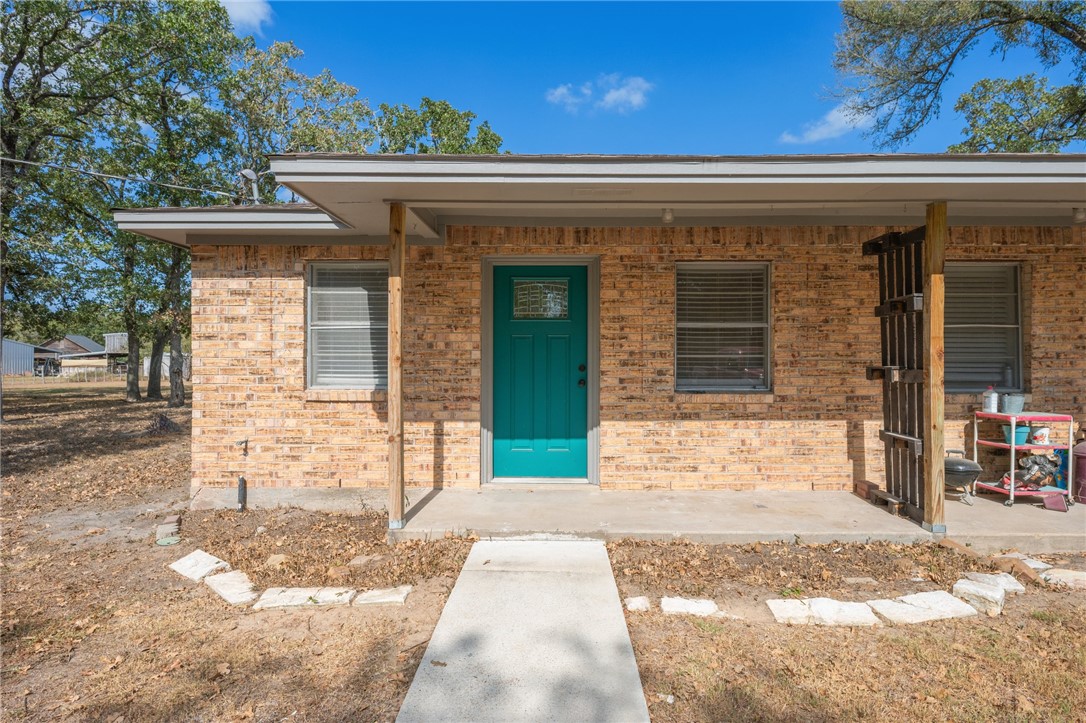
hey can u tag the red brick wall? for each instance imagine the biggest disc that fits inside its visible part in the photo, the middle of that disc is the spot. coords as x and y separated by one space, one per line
818 429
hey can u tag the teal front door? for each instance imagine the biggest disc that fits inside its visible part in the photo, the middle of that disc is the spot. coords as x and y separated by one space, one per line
541 371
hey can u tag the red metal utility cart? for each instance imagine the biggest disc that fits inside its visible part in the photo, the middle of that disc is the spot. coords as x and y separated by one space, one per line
1016 420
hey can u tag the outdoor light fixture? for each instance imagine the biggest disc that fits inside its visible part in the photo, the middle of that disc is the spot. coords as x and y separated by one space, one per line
1078 215
668 216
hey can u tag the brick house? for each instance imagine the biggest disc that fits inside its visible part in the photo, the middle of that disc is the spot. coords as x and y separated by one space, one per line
627 322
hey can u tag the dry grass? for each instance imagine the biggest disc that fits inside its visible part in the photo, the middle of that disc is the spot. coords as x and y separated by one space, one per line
70 445
1029 664
95 627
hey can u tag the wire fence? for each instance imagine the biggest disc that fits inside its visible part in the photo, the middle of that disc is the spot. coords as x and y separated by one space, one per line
64 377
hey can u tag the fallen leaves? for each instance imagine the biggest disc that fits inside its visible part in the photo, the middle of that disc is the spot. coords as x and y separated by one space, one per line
93 622
299 548
696 569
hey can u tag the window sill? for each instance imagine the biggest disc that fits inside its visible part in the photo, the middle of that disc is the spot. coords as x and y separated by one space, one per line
980 392
765 396
346 395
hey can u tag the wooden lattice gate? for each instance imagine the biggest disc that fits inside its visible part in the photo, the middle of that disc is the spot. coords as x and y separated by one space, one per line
912 366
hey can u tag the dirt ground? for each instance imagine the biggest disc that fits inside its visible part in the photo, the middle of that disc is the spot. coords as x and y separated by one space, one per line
95 627
1028 664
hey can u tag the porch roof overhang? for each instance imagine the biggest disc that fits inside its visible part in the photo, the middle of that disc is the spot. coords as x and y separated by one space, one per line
350 194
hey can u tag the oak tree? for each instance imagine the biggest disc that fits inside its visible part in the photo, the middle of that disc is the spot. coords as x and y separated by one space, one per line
895 59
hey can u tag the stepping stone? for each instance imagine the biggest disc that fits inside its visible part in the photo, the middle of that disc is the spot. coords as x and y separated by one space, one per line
939 600
790 612
638 604
390 596
290 597
1075 579
822 611
686 606
922 607
900 613
986 598
1010 585
1035 564
234 587
827 611
198 564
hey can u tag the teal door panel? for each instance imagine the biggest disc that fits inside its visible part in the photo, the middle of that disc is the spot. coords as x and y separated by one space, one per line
541 371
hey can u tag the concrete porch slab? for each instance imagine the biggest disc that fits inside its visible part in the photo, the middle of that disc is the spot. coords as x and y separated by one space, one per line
582 511
990 527
702 516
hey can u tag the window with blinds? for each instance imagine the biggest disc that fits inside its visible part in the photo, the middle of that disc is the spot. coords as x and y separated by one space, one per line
982 327
722 327
347 325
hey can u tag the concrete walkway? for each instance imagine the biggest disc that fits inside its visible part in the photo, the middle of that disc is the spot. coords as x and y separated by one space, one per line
532 631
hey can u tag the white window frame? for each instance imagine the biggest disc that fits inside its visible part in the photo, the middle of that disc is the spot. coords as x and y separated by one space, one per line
310 274
767 386
1019 371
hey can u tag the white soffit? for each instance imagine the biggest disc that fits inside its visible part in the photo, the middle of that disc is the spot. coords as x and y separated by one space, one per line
176 225
612 190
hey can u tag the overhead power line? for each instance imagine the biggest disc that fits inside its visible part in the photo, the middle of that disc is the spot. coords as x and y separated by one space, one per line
134 179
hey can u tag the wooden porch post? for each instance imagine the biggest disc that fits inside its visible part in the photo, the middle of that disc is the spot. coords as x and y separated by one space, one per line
397 254
934 389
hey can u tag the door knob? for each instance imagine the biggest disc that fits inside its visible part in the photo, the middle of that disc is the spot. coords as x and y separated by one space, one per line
581 368
581 382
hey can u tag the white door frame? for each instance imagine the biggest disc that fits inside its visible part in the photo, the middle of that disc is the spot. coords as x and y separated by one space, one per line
486 391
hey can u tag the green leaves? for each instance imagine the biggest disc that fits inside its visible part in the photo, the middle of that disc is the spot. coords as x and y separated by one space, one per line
894 59
275 108
435 127
161 90
1022 115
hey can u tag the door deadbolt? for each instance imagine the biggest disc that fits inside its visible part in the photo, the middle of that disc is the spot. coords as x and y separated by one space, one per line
581 382
581 368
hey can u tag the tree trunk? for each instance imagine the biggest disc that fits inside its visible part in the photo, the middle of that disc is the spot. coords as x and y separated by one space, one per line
131 325
177 314
154 372
132 378
177 366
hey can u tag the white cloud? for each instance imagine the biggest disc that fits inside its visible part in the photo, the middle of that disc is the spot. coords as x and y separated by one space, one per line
834 124
618 94
624 94
248 15
565 95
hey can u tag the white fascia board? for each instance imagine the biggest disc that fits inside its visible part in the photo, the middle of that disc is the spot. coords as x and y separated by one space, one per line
591 170
215 219
174 225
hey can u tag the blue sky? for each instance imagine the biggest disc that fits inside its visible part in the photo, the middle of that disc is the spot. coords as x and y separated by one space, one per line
700 78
